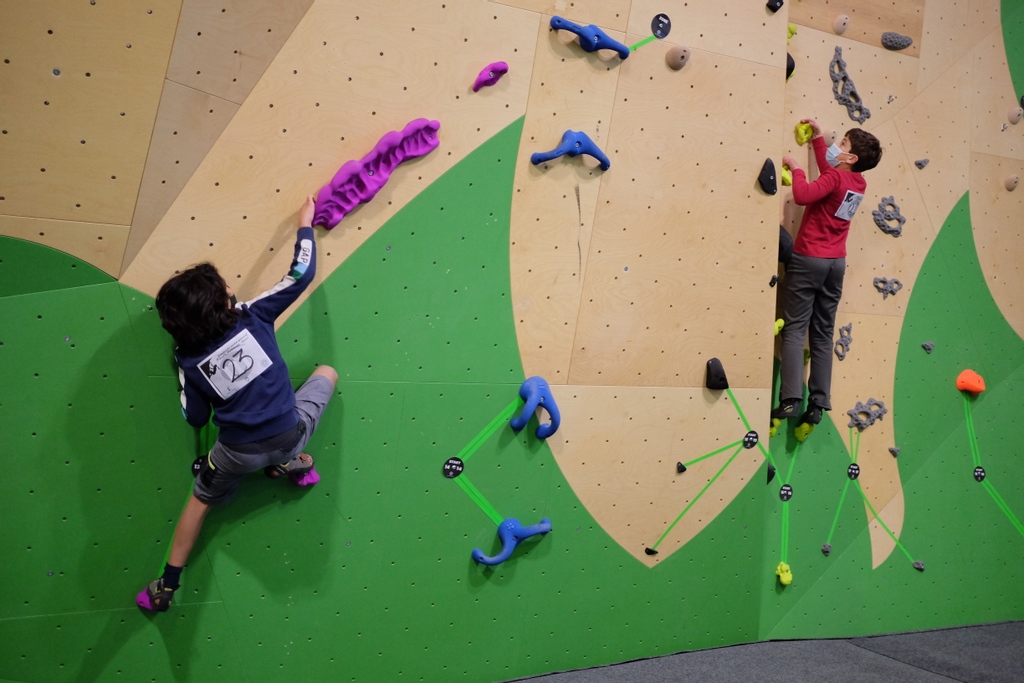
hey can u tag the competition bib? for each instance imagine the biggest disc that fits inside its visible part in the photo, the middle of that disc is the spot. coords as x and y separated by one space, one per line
235 364
849 205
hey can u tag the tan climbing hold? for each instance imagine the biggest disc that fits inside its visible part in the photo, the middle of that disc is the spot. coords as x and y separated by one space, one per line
840 24
1011 182
1015 115
677 56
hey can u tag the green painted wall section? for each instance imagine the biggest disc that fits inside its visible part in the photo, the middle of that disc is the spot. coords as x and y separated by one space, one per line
972 551
26 268
368 576
1012 20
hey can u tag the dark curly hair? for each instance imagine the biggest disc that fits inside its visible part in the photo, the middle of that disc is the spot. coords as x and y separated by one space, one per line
867 148
195 308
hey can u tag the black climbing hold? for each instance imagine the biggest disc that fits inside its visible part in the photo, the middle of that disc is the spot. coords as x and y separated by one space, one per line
853 471
453 467
786 492
197 465
715 378
750 439
774 5
766 178
895 451
771 473
680 468
921 163
661 25
774 281
650 551
826 548
928 346
979 474
790 65
919 566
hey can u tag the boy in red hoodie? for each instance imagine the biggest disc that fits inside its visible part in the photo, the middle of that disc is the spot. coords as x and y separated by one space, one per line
814 275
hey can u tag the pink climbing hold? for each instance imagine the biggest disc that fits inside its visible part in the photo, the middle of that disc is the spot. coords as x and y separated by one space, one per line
358 181
143 601
490 75
305 479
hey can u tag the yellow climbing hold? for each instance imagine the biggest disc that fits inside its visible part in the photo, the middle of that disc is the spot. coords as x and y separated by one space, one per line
807 356
790 32
784 573
774 429
802 431
778 326
804 132
786 175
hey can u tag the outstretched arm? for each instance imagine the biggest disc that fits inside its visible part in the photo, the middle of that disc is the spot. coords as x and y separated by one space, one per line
273 302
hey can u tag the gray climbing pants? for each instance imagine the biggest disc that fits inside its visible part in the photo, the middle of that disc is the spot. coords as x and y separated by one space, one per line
811 293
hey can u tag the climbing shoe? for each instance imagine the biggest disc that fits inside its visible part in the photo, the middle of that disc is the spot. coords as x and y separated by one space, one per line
155 598
787 409
810 418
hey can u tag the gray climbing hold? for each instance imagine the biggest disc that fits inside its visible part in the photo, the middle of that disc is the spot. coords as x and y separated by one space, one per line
921 163
919 566
896 41
826 549
844 90
887 287
864 415
884 214
842 346
928 346
895 451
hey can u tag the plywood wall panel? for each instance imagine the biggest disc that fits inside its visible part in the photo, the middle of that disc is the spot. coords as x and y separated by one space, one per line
886 81
936 127
994 96
609 14
746 29
869 19
554 203
187 125
335 88
81 85
951 30
223 48
684 241
999 232
624 469
99 244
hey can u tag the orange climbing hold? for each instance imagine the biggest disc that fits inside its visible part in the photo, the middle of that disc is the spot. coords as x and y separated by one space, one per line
970 381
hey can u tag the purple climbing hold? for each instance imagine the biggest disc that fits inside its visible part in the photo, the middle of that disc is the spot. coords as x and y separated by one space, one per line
358 181
490 75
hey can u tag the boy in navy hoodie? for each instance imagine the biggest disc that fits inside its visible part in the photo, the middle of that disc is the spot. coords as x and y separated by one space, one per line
814 275
229 362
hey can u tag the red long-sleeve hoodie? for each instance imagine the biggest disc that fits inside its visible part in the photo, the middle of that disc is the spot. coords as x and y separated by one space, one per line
831 201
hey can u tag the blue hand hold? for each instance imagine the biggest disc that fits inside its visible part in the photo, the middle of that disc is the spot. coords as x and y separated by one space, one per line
537 394
591 37
511 531
573 143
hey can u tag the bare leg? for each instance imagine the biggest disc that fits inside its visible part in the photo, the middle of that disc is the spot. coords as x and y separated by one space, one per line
187 531
328 372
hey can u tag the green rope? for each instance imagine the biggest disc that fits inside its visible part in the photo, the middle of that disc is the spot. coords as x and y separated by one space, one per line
835 520
875 515
736 404
698 496
648 39
713 453
785 532
474 494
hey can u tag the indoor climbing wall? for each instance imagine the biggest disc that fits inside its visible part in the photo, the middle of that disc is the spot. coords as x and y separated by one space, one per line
178 132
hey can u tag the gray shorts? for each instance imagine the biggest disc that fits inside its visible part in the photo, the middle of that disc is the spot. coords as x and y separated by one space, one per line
217 480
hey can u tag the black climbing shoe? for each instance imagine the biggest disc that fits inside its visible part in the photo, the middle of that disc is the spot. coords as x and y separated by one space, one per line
812 415
787 409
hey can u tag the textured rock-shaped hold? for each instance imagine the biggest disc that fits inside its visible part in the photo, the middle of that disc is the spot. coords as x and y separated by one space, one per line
884 214
766 178
840 24
844 90
826 548
896 41
921 163
895 450
677 57
971 382
358 181
928 346
1011 182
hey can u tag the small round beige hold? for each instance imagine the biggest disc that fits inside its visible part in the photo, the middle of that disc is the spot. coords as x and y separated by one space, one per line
840 24
1015 114
677 57
1011 182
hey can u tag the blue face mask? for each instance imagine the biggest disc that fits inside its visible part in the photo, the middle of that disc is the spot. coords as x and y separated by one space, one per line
832 155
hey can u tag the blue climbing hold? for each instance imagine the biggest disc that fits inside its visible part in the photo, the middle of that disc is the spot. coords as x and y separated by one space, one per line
537 394
511 532
591 37
573 143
